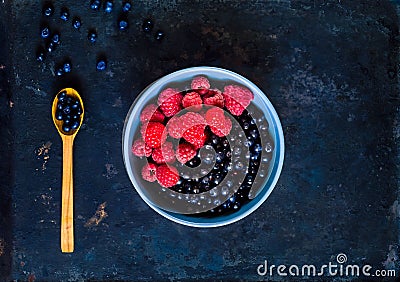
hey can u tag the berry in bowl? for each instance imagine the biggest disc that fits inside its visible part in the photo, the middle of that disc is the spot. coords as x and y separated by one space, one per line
203 146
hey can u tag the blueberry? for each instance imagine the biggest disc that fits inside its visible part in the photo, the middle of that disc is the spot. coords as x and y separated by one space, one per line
74 125
64 14
48 9
147 25
67 67
51 46
92 36
62 96
60 106
69 100
126 6
59 115
45 32
101 65
40 54
123 23
60 72
66 128
55 38
108 6
67 110
159 35
95 4
75 105
79 110
257 148
76 23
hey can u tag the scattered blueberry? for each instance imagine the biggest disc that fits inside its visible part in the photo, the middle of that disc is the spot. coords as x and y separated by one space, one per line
51 46
108 6
60 71
92 36
147 25
95 4
67 67
101 65
64 14
126 7
40 53
159 35
55 38
48 9
45 32
123 23
76 23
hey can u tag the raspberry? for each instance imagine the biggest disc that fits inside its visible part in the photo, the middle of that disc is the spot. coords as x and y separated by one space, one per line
149 172
222 130
193 125
192 99
174 127
214 115
141 149
200 82
237 98
170 101
154 134
214 98
219 124
167 176
164 154
151 113
195 135
185 153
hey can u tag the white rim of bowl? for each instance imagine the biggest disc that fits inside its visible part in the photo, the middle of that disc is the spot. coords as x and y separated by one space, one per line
278 162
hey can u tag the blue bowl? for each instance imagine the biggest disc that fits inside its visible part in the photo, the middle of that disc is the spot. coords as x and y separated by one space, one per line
132 124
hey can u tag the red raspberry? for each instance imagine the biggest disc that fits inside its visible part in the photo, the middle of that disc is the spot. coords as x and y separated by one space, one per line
170 101
222 130
149 172
200 82
164 154
141 149
192 99
154 134
151 113
214 98
185 153
196 135
237 98
167 175
219 124
174 127
193 125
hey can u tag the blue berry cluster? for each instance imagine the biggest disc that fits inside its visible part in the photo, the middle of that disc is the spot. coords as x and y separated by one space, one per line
69 112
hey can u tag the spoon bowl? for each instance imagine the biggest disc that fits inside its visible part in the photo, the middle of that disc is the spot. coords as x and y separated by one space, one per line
58 123
67 206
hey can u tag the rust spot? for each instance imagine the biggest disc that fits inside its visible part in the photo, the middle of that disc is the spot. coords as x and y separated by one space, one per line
98 216
111 171
42 153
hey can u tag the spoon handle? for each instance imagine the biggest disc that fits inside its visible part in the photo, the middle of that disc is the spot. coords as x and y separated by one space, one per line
67 208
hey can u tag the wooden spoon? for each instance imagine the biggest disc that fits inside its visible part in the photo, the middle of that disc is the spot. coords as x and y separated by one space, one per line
67 207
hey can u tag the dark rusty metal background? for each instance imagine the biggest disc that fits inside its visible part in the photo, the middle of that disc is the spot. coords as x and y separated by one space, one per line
329 67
